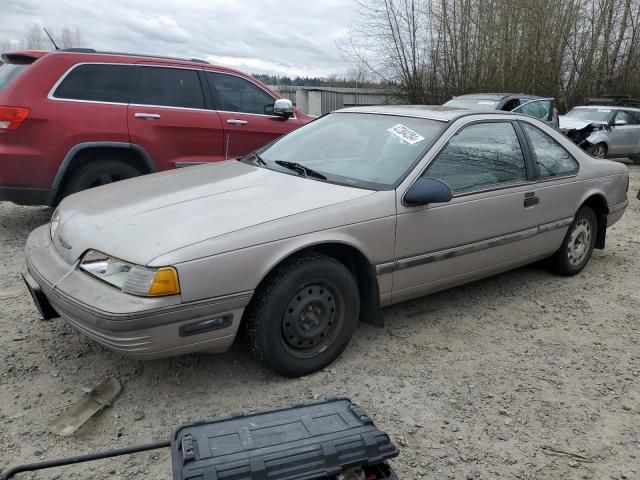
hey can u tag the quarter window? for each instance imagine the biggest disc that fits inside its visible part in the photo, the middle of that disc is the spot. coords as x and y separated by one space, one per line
235 94
551 158
168 87
483 155
99 83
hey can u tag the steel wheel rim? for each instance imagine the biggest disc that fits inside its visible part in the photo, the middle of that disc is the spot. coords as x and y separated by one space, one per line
579 242
310 320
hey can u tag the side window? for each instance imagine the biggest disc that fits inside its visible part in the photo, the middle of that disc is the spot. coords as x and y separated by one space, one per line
538 109
235 94
551 158
634 117
621 116
168 87
480 156
98 83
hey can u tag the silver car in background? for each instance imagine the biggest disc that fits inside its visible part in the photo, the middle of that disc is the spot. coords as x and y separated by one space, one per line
297 242
604 131
537 107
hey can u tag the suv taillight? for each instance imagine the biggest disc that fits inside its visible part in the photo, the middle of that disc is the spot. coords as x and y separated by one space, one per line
12 117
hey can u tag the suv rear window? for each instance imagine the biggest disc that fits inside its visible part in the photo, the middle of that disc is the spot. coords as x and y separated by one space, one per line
96 82
9 71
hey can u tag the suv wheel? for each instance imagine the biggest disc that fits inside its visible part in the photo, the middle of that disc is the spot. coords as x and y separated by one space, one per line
97 173
304 315
576 249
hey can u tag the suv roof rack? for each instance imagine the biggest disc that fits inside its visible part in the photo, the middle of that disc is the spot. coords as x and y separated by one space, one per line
613 101
146 55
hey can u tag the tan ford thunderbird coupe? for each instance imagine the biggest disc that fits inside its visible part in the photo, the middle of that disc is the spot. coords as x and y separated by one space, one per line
297 242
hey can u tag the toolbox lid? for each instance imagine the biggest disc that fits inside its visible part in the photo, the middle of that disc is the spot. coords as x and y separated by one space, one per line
307 441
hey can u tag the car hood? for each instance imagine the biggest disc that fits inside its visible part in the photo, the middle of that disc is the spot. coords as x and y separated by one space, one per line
569 123
140 219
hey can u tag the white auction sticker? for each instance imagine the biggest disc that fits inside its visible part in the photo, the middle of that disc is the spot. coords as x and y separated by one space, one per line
603 111
406 134
486 102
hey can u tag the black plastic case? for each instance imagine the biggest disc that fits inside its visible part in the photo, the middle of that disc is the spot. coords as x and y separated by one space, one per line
316 440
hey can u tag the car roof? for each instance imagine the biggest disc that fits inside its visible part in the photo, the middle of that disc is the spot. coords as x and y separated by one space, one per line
495 96
609 107
431 112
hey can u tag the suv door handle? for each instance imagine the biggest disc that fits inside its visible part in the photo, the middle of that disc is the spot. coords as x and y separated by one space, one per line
234 121
530 199
148 116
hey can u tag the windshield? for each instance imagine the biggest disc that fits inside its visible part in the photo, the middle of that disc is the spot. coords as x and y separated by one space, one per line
8 72
592 114
472 103
356 149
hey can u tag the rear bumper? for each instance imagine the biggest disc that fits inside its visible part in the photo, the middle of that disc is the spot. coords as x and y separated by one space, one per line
25 196
138 327
616 211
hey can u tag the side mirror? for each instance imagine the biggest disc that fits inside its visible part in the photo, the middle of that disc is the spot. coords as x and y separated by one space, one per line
428 190
283 108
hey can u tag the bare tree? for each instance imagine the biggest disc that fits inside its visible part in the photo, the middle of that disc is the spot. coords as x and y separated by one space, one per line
433 49
71 38
34 38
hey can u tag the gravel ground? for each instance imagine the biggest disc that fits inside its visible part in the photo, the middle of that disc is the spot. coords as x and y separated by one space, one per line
523 375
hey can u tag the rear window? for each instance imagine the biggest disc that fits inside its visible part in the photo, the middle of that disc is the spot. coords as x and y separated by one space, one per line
99 83
168 87
9 71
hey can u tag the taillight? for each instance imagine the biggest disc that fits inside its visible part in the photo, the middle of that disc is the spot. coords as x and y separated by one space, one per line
12 117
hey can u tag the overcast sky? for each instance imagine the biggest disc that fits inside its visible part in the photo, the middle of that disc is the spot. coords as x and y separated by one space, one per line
285 37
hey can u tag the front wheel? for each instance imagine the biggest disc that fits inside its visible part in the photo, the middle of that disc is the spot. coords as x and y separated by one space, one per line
304 315
599 150
576 249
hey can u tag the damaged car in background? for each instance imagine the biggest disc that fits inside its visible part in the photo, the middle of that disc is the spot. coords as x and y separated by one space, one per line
295 243
604 131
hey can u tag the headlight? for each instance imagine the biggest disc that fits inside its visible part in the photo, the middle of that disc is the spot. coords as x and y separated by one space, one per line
55 221
132 279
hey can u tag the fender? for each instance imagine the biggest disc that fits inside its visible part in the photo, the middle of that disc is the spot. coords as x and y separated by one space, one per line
64 165
370 306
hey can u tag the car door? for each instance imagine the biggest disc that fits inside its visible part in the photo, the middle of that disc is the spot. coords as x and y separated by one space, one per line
488 226
169 118
634 123
621 135
542 109
246 111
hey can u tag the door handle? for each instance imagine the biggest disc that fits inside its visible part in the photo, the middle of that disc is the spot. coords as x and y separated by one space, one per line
148 116
234 121
530 199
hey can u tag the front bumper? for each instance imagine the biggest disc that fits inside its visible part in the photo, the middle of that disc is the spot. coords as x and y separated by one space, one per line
138 327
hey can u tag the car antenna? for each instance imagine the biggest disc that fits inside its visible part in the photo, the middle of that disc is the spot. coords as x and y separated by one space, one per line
51 38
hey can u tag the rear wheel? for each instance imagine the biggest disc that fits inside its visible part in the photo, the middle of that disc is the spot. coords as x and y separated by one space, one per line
599 150
576 249
304 315
98 173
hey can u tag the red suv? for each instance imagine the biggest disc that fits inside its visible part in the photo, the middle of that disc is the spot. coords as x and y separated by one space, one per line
77 118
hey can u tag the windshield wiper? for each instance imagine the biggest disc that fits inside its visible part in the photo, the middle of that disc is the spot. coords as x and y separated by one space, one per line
297 167
258 158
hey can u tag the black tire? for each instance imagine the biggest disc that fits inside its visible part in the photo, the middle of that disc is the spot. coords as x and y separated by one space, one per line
635 159
303 316
576 249
97 173
598 151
